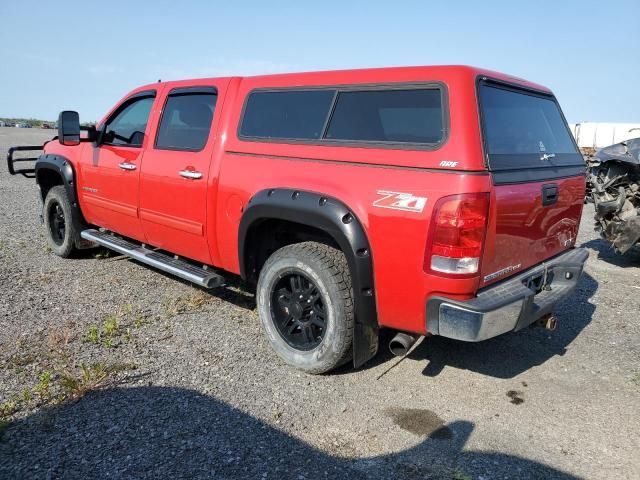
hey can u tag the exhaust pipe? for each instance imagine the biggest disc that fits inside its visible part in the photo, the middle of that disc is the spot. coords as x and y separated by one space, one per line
548 322
401 343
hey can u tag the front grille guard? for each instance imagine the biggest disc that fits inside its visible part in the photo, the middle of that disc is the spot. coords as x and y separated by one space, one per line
28 171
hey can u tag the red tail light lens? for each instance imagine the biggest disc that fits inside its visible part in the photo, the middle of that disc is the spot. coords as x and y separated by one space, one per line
458 228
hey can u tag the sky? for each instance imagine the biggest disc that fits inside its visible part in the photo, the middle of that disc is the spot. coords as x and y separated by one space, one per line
86 55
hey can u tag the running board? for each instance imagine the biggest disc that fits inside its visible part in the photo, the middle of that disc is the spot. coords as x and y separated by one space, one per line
161 261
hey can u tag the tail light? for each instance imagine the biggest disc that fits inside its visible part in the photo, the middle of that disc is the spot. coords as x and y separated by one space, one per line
458 228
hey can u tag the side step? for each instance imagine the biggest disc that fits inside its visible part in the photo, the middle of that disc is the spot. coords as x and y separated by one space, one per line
161 261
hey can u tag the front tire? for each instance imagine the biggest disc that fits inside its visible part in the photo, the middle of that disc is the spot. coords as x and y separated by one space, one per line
63 231
305 304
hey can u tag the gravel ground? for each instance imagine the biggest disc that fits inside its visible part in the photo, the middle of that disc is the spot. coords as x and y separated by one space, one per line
109 369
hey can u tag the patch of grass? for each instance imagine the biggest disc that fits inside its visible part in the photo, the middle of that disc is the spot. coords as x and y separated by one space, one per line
8 407
189 302
140 320
47 248
115 326
110 325
93 334
91 377
635 379
27 395
43 387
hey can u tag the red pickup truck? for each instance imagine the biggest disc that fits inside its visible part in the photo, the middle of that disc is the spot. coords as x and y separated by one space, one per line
430 200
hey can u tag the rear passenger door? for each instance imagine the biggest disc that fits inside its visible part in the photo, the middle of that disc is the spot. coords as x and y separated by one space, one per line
175 172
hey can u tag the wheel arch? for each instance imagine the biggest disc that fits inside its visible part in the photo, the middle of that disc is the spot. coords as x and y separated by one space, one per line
52 170
314 214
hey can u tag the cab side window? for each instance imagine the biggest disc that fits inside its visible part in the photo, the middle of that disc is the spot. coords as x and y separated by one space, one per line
127 126
186 119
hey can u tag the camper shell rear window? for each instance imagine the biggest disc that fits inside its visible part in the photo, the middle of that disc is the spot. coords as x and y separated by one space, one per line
524 129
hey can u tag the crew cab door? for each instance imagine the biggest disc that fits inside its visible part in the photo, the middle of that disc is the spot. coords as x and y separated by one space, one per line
538 176
111 168
175 173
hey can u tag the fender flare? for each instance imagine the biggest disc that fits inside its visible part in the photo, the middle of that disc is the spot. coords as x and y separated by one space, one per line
337 220
63 168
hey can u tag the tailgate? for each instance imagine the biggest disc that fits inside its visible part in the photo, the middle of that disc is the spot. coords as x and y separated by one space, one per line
538 176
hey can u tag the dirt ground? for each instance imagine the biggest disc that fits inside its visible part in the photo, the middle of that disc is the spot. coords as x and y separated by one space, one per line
109 369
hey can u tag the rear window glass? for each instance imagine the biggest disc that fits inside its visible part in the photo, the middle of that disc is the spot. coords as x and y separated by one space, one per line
186 121
523 130
398 116
294 114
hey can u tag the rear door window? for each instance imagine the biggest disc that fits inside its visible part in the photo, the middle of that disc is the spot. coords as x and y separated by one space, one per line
524 130
396 116
186 119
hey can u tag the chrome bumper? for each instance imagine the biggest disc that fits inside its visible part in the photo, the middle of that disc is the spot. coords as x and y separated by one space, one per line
509 305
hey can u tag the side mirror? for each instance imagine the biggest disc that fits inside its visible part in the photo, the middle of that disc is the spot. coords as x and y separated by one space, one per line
69 128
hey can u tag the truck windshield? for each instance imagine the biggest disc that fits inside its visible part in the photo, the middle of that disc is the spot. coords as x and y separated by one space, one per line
524 130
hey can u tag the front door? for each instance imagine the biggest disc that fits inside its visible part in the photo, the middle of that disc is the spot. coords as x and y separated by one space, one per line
175 173
111 169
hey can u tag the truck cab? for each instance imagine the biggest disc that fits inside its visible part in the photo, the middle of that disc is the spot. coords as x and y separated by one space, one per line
430 200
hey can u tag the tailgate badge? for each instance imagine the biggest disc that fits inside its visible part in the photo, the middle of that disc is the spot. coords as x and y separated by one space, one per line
504 271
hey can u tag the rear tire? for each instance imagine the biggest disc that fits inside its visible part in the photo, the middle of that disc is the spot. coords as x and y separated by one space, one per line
305 304
63 230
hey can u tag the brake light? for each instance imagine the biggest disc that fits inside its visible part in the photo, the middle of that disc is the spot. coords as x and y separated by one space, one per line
458 228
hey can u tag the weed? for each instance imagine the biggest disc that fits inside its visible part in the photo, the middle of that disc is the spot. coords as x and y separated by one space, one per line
91 377
44 385
635 379
47 249
110 325
139 320
111 328
190 302
27 396
8 408
93 335
61 338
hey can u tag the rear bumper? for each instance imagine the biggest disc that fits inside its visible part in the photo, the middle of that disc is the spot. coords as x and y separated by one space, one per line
509 305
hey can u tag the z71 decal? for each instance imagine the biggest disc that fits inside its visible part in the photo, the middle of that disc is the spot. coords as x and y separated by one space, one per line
400 201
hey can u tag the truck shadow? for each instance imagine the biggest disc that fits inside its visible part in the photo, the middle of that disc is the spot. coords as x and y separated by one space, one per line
606 253
162 432
513 353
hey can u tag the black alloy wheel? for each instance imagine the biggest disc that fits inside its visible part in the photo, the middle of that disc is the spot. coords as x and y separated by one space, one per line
298 311
57 223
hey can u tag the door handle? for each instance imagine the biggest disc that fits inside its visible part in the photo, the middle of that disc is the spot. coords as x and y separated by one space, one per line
192 174
549 194
127 166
